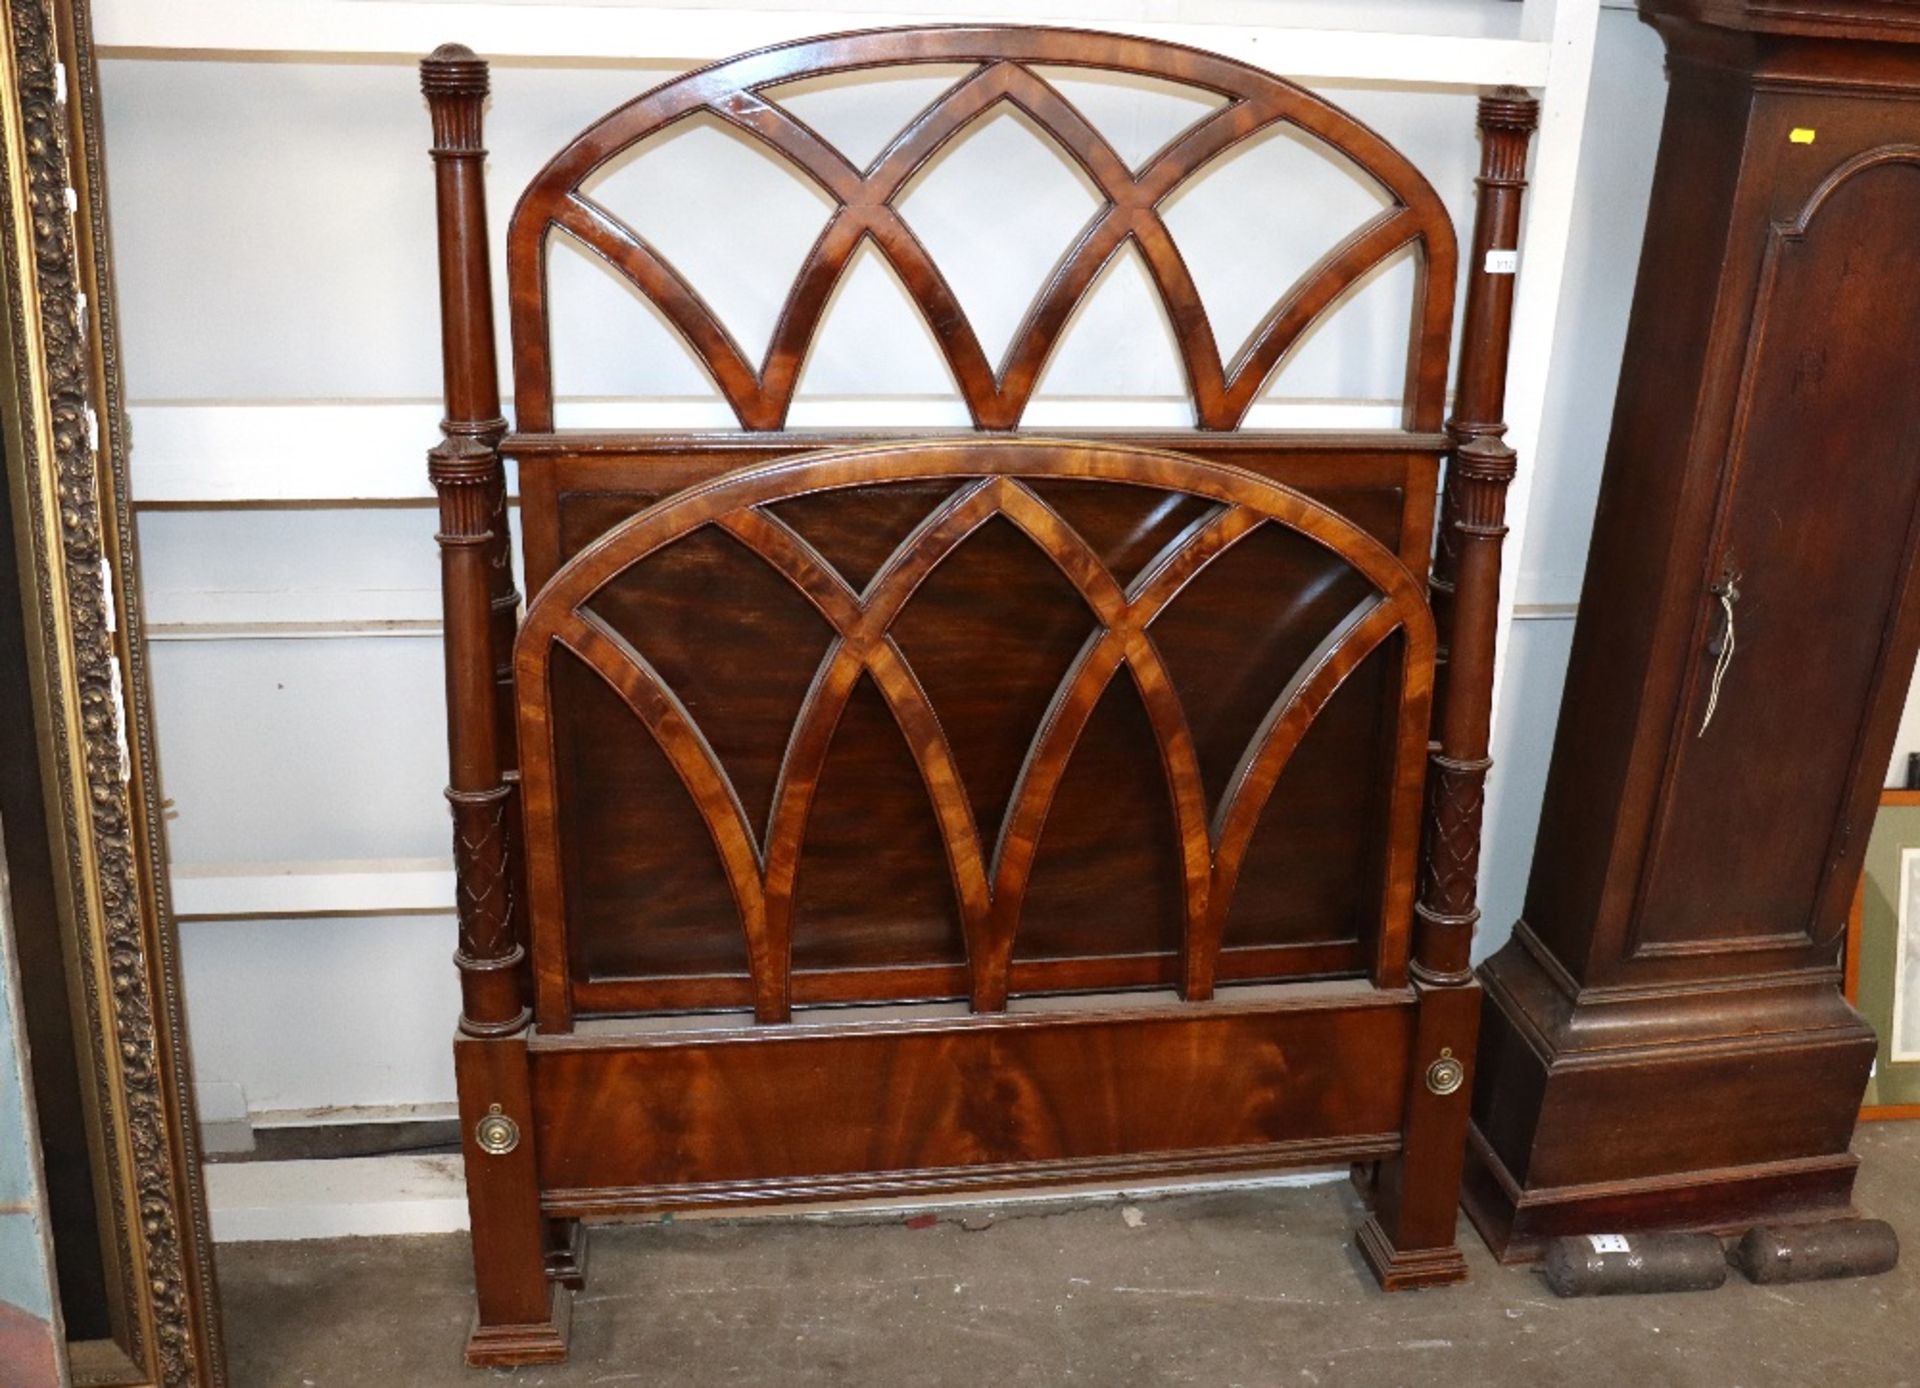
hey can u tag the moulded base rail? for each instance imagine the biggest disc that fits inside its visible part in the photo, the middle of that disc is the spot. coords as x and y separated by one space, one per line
636 1115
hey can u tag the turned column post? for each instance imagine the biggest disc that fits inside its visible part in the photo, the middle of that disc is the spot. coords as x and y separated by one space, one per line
521 1315
1466 579
1409 1241
478 599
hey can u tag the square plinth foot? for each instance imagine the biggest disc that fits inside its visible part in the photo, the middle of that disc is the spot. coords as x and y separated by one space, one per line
1399 1270
512 1346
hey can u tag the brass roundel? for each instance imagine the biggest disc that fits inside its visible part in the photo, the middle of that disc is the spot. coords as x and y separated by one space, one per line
497 1134
1445 1074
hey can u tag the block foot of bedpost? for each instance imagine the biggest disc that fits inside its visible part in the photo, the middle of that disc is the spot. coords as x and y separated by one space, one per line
1410 1238
522 1314
1400 1270
514 1346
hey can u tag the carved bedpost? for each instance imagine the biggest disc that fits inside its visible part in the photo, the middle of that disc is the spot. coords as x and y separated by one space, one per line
475 560
1467 559
522 1316
1410 1239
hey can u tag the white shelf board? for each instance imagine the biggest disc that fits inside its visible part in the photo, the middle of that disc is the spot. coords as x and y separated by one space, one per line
407 29
357 451
352 1197
218 614
233 453
257 891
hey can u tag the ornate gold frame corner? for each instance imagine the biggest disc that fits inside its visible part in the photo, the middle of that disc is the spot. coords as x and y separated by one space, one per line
66 465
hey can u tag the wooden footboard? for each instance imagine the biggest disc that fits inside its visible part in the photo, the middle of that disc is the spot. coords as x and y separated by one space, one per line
974 810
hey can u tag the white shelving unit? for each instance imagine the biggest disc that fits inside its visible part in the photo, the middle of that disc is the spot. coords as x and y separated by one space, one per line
204 454
199 454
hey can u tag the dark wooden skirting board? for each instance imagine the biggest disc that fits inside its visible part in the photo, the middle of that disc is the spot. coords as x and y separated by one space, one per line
1138 774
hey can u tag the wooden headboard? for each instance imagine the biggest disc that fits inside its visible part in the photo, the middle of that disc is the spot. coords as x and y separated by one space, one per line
1331 882
963 721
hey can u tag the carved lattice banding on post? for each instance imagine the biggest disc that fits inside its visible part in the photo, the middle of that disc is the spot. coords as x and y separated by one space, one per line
465 472
989 890
483 891
996 394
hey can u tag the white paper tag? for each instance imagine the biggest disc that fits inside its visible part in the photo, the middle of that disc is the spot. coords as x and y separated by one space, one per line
1608 1243
1502 262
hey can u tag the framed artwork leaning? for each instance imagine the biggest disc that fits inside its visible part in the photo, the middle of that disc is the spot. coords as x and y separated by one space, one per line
101 1023
1883 955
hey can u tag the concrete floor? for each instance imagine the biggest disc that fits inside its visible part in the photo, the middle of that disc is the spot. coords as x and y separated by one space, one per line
1246 1287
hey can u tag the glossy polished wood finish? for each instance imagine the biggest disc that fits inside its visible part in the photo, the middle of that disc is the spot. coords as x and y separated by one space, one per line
1091 769
1467 593
518 1320
1667 1044
466 472
733 92
990 875
727 1113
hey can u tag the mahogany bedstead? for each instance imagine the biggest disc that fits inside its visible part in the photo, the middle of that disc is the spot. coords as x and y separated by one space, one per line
853 815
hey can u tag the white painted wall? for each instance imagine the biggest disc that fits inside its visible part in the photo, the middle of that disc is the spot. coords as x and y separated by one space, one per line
1908 740
321 1013
1603 255
272 222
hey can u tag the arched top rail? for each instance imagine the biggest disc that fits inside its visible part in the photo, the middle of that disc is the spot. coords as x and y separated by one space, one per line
959 459
1004 59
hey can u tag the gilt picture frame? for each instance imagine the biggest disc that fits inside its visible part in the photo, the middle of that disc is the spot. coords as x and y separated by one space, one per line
84 675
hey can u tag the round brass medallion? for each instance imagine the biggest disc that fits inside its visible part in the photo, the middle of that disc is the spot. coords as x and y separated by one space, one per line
497 1134
1445 1074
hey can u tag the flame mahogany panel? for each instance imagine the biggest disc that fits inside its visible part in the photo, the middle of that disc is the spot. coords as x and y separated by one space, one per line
991 635
916 743
1101 1094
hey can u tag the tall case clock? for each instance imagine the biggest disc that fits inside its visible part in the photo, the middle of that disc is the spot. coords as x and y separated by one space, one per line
1665 1039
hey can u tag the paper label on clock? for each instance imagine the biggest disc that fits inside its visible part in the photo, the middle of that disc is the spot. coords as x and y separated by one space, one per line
1608 1243
1502 262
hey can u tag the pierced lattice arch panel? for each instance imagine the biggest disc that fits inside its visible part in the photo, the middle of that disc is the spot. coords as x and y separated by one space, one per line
989 866
1003 62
